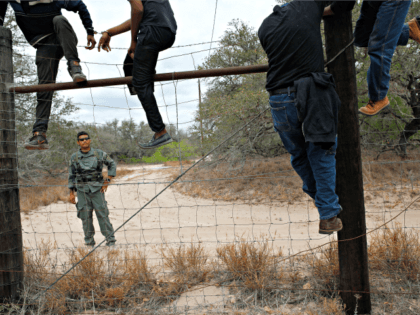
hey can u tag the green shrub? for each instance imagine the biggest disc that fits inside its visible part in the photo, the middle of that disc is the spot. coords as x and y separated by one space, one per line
170 152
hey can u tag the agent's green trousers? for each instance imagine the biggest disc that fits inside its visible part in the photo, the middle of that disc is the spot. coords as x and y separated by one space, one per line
87 202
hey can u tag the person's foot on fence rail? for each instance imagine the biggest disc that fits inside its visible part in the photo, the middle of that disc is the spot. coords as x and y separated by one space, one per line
330 226
159 139
38 141
373 108
75 71
414 26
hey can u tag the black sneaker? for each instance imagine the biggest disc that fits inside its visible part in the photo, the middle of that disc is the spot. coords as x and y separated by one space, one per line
75 71
156 143
37 142
111 244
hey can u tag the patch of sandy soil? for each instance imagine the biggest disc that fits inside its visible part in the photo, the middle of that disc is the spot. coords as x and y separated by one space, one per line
177 219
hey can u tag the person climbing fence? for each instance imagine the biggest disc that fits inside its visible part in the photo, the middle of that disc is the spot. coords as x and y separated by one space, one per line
52 38
303 100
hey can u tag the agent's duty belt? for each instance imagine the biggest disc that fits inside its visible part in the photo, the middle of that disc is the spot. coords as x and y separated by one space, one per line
90 179
282 91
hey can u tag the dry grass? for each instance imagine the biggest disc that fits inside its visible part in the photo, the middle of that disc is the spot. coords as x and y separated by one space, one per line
39 263
177 163
105 281
187 264
35 196
252 263
256 180
274 179
396 252
114 279
48 190
394 264
251 270
325 268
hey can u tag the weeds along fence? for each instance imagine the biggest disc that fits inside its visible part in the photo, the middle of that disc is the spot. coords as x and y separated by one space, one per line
220 233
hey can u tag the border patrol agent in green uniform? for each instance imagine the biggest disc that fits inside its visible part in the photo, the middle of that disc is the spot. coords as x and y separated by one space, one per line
85 177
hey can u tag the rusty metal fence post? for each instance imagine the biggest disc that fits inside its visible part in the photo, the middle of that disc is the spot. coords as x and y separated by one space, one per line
11 256
354 272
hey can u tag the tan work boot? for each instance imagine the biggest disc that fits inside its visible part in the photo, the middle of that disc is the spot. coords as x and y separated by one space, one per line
330 226
414 30
373 108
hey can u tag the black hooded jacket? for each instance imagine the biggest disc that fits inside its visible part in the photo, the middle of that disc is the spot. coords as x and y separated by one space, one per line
291 37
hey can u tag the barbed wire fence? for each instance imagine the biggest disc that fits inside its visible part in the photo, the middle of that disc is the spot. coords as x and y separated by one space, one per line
178 252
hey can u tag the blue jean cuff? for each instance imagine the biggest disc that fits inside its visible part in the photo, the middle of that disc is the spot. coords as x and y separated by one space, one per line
331 215
405 36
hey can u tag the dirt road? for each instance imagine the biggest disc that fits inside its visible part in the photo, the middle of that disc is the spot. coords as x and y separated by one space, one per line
177 219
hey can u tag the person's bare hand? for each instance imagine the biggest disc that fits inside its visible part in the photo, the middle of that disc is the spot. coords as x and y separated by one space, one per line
72 198
104 42
104 187
132 49
91 42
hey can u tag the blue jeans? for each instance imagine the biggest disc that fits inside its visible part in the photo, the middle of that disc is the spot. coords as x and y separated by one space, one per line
314 165
381 28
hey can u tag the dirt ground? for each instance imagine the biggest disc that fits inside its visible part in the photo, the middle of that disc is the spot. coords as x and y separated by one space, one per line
174 218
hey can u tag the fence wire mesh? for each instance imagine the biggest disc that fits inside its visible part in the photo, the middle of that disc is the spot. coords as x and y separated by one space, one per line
233 235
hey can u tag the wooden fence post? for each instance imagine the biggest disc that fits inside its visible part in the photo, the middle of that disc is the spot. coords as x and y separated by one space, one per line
353 258
11 256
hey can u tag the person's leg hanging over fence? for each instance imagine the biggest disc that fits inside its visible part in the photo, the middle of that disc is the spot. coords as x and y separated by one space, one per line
288 126
68 41
149 44
314 165
387 32
48 55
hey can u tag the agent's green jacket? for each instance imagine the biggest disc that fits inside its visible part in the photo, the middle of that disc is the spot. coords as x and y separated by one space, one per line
85 170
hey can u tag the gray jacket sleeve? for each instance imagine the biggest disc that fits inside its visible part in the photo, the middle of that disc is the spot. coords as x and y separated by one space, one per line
111 165
72 174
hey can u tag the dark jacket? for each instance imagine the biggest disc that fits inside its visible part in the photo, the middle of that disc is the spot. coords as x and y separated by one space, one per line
318 104
36 19
291 37
158 13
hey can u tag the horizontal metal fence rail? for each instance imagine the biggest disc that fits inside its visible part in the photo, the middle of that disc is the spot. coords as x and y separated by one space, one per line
196 74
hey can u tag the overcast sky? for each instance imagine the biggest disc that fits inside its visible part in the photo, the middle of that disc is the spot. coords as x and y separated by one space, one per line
195 24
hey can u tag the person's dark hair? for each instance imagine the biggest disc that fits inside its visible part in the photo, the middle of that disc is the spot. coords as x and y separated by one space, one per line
82 133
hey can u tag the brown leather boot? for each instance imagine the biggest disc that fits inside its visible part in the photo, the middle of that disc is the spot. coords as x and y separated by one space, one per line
414 30
330 226
373 108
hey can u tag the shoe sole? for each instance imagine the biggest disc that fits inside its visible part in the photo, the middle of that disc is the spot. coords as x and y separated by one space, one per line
79 79
37 147
329 232
386 108
157 146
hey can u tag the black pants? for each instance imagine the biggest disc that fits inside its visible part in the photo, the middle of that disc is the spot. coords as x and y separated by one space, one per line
48 54
150 42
